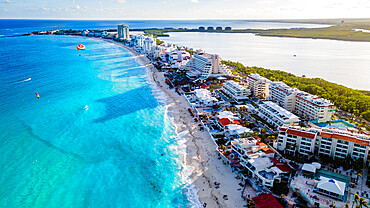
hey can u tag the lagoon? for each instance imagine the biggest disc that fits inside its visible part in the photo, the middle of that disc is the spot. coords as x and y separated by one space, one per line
343 62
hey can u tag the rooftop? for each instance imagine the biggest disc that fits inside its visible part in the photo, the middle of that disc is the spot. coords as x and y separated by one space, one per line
228 121
258 77
304 134
331 185
284 87
313 99
234 85
266 201
278 111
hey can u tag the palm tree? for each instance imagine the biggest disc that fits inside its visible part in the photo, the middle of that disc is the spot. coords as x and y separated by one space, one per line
333 206
346 205
362 203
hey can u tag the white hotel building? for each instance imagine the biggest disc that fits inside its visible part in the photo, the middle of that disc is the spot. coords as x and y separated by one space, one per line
284 95
324 142
209 64
123 32
258 85
303 104
313 108
236 91
276 115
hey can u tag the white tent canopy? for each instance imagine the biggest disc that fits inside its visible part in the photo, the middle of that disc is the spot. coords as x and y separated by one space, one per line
309 168
331 185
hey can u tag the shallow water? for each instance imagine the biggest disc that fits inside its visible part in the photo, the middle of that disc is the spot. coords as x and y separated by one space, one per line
96 137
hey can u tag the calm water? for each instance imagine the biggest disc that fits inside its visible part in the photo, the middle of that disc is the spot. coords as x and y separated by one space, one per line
97 137
14 27
342 62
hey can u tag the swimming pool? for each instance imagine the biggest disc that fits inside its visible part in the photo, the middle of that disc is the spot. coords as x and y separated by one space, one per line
214 110
335 124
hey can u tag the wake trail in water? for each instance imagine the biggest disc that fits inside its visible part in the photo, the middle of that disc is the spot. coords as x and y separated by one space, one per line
26 80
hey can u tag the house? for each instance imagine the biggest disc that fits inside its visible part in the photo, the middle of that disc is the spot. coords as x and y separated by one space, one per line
331 187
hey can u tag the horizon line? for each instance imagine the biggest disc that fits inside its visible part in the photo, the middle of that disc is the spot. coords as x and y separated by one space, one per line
257 19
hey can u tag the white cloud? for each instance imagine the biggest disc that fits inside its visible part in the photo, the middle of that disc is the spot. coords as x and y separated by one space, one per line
121 1
6 2
194 1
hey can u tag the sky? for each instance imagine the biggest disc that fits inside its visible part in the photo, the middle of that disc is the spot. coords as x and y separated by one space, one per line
183 9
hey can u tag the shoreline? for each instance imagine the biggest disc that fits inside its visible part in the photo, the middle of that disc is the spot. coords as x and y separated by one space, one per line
201 156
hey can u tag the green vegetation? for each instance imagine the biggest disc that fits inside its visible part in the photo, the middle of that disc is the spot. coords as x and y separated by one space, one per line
159 42
347 99
333 32
190 51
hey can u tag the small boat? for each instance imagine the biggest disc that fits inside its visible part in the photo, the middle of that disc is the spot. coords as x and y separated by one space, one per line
26 80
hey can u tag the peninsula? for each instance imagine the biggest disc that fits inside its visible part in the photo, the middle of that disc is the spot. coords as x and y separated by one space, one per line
254 135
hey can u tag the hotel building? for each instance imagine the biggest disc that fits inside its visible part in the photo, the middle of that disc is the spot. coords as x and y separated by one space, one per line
258 85
313 108
149 44
123 32
284 95
324 142
209 64
236 91
276 115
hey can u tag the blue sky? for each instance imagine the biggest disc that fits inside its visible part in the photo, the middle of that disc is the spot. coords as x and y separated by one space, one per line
184 9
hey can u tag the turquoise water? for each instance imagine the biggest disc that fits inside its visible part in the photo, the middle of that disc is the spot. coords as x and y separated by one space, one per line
97 137
335 124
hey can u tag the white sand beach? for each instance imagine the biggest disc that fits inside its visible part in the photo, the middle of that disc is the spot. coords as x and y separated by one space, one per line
200 149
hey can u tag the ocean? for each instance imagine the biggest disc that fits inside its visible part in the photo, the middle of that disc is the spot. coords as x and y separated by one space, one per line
98 136
18 27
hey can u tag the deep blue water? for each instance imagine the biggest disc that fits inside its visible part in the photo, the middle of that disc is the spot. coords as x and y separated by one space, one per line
97 137
16 27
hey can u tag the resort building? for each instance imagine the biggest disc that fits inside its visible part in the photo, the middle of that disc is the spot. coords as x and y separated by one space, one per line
324 142
313 108
276 115
123 32
284 95
258 85
138 41
149 44
209 64
236 91
205 98
259 161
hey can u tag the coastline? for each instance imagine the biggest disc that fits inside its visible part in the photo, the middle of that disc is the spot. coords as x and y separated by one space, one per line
200 159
